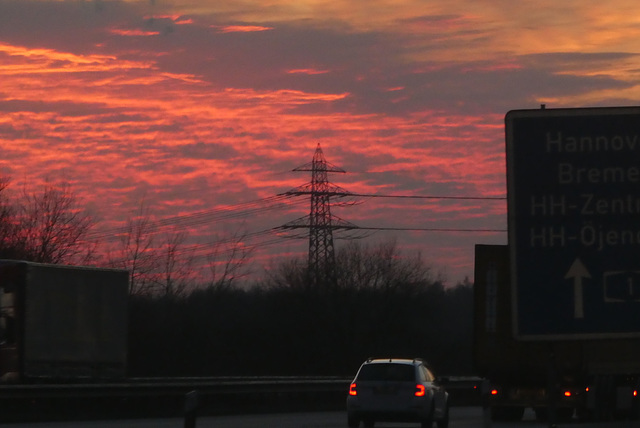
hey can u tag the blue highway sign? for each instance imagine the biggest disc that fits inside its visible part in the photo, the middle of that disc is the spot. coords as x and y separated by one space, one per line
573 179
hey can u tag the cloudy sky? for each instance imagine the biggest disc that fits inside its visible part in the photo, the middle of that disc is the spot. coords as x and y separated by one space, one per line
203 107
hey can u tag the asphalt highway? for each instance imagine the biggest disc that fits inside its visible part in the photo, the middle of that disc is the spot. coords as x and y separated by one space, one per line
461 417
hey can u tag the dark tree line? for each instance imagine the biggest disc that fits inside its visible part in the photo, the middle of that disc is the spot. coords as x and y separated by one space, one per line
383 303
285 328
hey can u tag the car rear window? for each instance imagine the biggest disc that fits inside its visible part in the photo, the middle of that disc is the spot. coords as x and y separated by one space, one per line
387 372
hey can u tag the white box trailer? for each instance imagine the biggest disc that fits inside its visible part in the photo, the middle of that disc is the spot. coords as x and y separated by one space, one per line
62 322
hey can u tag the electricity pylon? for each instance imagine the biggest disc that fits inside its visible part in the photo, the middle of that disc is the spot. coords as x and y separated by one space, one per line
320 222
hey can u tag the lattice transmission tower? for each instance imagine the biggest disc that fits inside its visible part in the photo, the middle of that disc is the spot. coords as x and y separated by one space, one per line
320 222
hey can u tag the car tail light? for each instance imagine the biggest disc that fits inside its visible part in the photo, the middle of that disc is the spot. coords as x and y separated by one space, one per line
635 393
419 391
352 389
567 393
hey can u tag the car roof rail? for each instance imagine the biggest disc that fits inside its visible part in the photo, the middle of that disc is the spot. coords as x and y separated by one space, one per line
370 359
391 359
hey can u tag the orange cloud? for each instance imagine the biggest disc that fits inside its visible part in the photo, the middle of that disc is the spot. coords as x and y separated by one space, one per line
133 33
176 19
309 71
241 28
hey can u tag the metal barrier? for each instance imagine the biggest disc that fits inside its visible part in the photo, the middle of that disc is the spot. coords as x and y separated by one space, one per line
160 397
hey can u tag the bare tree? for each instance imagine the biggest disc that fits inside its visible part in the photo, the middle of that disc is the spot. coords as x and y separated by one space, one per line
227 264
177 264
381 267
136 252
8 227
6 213
51 227
168 268
290 273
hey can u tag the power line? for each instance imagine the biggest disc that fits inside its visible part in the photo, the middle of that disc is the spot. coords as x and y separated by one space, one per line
481 198
270 203
197 251
432 229
255 207
409 229
202 217
375 195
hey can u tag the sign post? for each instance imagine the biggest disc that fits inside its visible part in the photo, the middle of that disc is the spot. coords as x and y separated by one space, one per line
573 178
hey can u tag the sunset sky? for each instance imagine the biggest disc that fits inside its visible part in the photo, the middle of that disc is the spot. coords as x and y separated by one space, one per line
205 106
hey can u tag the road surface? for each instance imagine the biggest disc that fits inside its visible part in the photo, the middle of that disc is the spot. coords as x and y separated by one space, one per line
461 417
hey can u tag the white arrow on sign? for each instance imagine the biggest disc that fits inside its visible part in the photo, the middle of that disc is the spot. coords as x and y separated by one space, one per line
577 271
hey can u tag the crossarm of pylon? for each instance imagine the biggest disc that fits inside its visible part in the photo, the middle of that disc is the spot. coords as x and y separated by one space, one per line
326 190
304 222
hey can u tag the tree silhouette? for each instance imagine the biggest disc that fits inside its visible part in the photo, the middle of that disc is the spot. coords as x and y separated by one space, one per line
136 252
46 226
176 264
282 327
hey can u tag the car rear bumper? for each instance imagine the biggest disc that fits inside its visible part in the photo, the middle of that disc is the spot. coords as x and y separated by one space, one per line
416 412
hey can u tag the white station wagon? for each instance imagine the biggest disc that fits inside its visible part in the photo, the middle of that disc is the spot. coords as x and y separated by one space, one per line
396 390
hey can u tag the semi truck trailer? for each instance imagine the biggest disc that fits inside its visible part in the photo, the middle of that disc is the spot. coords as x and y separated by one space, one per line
586 378
62 323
